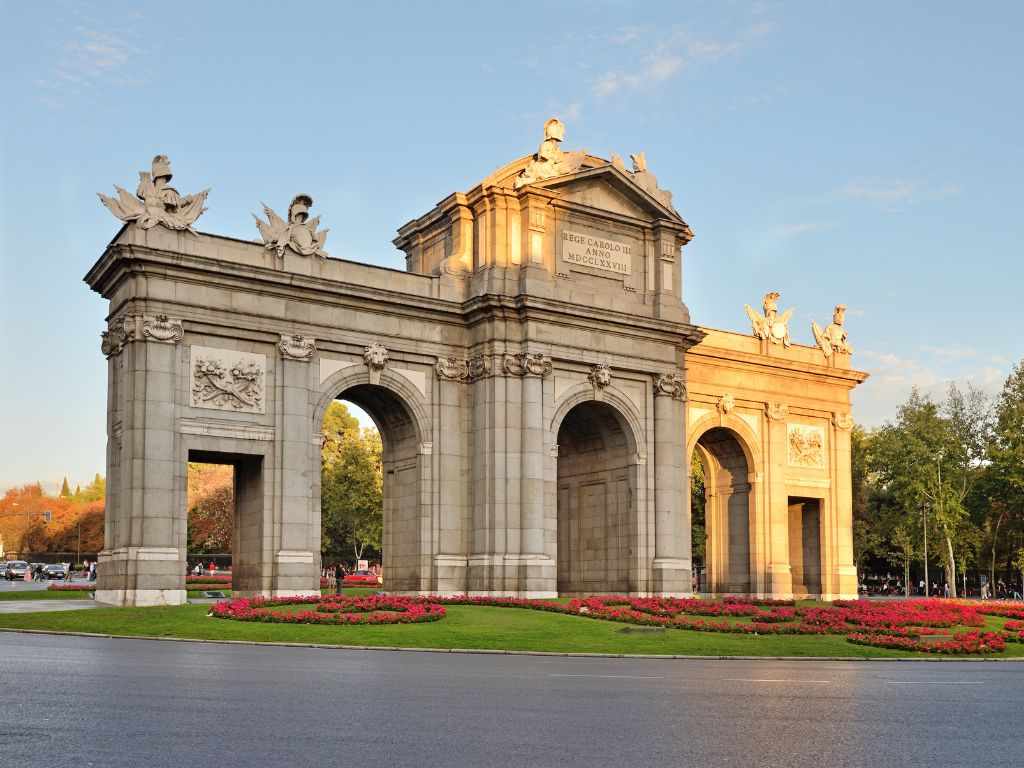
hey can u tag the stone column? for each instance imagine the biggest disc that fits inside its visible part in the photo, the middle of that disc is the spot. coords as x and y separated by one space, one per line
672 564
775 507
840 580
535 577
450 562
143 559
297 553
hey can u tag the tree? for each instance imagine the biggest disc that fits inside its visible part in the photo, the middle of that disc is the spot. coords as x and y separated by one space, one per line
210 507
699 537
65 491
930 457
1001 489
351 484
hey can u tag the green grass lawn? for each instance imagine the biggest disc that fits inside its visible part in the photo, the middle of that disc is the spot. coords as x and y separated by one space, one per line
469 627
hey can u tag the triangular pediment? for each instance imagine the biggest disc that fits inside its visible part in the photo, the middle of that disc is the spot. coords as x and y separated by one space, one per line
606 188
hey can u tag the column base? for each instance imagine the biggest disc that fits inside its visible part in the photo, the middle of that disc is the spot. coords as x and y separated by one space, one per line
141 597
671 577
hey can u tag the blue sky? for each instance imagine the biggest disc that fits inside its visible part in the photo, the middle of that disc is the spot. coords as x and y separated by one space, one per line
868 153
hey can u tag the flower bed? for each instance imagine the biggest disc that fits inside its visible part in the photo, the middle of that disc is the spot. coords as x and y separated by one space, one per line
90 587
924 626
332 609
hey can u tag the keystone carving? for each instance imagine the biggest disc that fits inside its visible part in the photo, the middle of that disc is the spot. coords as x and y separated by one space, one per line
670 384
375 356
726 404
832 340
771 326
777 411
298 233
600 375
452 367
842 420
523 363
162 329
297 347
155 202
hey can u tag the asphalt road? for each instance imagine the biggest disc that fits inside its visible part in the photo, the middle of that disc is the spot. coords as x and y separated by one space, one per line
107 702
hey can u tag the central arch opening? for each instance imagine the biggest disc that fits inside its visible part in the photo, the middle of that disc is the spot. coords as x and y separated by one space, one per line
596 508
727 516
400 514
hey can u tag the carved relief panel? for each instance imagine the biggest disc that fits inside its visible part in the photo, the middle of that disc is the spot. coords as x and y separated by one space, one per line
225 380
806 446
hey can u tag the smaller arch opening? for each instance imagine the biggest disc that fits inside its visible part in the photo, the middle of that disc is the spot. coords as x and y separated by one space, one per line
727 513
395 545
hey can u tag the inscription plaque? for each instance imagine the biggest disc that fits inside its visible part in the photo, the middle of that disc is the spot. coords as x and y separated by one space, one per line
585 250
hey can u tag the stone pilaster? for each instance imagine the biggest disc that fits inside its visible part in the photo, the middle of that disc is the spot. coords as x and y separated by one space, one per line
145 556
775 505
672 563
296 540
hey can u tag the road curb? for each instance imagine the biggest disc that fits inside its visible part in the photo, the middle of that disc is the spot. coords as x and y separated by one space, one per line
500 652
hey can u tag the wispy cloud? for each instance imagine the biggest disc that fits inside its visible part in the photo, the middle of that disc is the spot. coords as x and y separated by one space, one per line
893 376
650 57
795 230
90 56
899 191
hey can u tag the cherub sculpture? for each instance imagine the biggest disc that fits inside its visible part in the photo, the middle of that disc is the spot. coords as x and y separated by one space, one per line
551 160
155 202
832 340
771 326
298 233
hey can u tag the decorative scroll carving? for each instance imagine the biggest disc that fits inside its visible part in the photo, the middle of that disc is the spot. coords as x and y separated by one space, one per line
479 367
297 347
771 326
777 411
832 340
162 329
452 367
670 384
806 446
550 160
726 404
375 356
523 363
842 420
297 233
121 331
155 202
600 375
216 386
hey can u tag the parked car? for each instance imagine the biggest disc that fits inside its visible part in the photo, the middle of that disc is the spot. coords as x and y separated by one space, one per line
15 570
361 577
54 571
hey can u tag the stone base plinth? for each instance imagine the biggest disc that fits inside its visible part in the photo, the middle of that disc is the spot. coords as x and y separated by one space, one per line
141 597
671 578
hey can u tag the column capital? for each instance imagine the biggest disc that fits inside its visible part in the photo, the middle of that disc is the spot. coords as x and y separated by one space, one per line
670 384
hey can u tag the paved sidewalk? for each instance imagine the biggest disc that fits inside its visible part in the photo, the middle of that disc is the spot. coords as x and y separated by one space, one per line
32 606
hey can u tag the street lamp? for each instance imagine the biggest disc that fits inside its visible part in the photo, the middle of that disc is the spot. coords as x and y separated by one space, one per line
924 522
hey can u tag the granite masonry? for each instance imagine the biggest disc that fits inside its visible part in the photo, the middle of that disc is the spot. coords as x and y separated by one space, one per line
534 373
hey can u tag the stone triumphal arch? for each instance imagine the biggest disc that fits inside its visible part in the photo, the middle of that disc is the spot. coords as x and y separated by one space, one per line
535 375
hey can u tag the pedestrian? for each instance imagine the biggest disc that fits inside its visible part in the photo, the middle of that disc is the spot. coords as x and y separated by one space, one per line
920 588
339 578
28 572
92 572
945 589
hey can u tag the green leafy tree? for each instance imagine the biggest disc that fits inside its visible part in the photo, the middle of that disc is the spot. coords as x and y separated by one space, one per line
930 457
351 483
699 530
